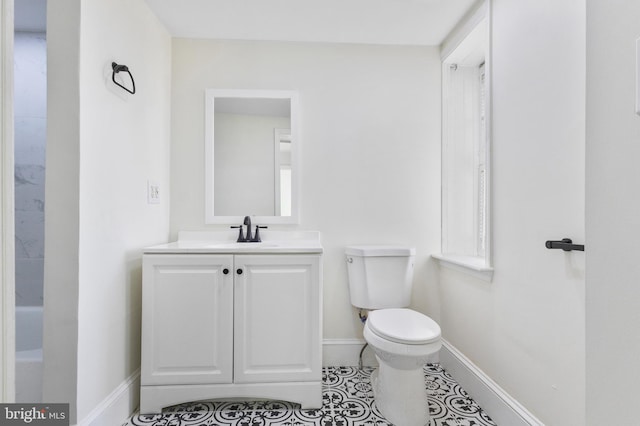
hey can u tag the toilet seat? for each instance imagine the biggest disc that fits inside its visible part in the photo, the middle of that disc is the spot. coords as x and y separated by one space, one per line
402 355
403 326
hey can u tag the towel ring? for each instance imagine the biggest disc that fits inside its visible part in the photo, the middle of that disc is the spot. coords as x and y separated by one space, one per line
116 69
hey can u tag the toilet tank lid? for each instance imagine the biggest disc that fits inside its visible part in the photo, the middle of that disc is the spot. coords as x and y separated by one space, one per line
379 250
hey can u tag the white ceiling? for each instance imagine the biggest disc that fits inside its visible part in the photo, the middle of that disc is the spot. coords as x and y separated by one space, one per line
403 22
400 22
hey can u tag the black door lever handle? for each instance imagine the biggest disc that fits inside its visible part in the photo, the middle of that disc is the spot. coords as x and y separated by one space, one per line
565 244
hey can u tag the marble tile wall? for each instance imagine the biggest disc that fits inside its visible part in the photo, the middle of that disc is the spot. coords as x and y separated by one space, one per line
30 140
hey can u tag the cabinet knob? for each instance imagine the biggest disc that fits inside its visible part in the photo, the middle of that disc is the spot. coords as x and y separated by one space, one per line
225 271
239 271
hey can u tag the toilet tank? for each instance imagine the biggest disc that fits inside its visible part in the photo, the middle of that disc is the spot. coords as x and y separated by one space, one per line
380 276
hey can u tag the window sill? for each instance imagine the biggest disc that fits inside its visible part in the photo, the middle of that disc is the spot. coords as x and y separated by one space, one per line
474 266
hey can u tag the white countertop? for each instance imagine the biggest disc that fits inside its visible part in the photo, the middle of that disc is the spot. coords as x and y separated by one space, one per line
221 242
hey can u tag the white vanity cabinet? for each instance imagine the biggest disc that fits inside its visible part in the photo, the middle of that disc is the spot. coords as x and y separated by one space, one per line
218 325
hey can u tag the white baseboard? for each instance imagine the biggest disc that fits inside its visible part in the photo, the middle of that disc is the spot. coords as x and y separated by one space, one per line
116 408
497 403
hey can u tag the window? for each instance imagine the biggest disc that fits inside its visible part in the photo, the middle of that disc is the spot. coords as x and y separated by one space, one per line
465 148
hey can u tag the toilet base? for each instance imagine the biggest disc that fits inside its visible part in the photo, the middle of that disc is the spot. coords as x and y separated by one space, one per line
400 395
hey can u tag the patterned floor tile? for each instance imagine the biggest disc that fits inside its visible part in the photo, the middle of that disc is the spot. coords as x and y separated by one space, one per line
347 401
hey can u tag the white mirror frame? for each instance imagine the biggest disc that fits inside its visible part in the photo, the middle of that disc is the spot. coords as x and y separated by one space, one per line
210 96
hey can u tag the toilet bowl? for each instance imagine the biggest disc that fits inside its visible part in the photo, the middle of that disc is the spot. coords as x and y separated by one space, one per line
403 341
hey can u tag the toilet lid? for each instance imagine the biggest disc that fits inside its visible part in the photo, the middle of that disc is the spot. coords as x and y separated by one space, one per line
403 326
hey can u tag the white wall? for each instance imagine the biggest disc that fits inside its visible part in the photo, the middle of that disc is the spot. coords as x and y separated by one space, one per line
526 328
110 144
370 135
30 106
613 209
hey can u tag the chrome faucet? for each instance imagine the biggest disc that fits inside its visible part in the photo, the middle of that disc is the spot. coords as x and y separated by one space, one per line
248 238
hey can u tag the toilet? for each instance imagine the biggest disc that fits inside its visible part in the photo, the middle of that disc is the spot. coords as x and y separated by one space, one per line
380 281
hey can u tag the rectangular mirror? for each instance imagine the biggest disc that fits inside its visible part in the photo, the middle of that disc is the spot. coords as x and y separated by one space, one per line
251 147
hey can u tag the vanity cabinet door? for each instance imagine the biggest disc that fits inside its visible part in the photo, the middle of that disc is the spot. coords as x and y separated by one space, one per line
187 317
277 318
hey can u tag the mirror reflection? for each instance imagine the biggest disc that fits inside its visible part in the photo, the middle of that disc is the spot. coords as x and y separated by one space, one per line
252 161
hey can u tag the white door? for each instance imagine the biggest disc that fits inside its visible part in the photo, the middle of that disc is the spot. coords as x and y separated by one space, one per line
187 319
277 318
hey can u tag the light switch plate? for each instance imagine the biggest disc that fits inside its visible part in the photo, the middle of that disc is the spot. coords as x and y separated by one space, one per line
153 192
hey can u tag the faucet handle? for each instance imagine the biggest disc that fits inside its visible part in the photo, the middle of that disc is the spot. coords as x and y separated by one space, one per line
241 238
256 237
